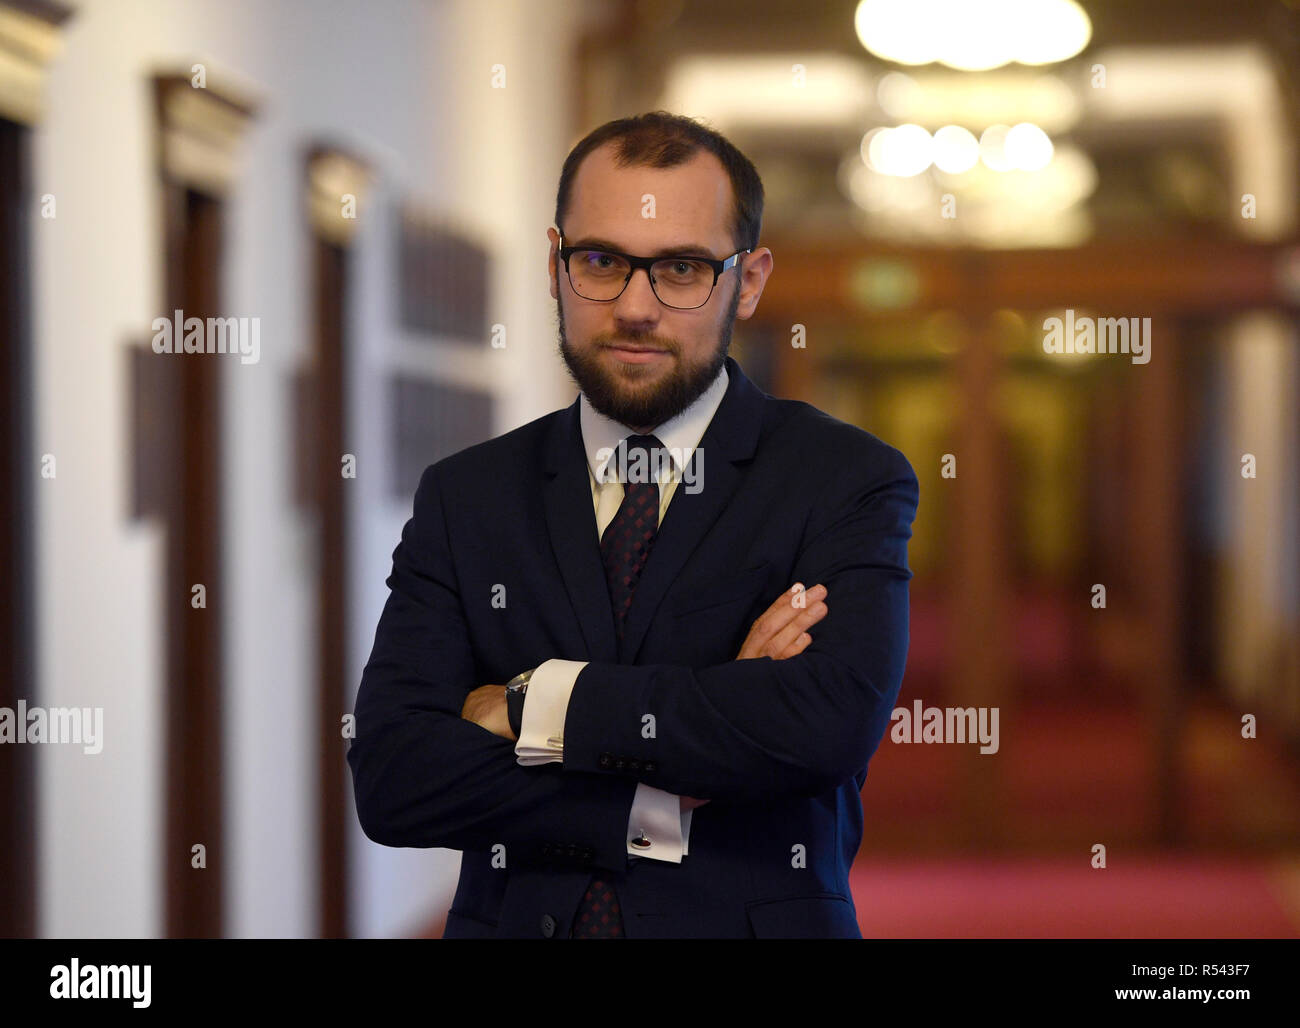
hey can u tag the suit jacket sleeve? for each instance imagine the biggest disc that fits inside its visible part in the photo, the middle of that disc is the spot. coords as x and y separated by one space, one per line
748 730
424 776
655 813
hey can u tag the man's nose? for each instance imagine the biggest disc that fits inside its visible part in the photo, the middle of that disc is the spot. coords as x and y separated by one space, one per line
638 301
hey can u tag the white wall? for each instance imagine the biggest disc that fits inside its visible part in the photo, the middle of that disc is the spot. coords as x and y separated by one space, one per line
405 85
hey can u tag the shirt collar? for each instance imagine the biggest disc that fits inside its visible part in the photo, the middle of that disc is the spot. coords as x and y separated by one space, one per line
681 434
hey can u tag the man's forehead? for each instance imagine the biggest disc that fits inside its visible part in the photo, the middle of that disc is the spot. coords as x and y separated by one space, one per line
686 203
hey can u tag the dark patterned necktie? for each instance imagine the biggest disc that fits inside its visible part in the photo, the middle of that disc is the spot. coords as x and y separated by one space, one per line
625 546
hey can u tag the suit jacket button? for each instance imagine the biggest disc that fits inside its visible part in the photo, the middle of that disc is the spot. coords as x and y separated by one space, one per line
634 764
546 849
620 764
605 760
548 925
649 765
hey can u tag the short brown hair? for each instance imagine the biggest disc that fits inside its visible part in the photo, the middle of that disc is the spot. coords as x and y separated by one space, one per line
663 140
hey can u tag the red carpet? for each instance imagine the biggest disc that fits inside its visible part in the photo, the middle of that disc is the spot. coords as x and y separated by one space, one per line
1157 897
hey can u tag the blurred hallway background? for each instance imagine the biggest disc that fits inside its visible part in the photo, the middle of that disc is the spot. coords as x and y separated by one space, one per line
1107 548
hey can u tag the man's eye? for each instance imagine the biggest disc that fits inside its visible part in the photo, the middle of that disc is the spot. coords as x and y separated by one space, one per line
683 269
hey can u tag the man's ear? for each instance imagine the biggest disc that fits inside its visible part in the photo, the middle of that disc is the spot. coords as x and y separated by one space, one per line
553 262
757 267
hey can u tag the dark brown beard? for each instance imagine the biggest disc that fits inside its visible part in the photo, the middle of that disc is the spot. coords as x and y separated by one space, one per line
682 387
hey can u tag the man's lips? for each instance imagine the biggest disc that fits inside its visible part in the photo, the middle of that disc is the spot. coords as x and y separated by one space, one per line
633 348
633 354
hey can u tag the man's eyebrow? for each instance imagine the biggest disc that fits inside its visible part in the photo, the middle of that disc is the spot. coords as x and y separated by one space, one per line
683 250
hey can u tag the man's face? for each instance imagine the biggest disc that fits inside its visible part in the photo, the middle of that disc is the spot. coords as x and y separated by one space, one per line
681 351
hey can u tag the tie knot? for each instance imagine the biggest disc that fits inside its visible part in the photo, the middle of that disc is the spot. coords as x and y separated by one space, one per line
639 459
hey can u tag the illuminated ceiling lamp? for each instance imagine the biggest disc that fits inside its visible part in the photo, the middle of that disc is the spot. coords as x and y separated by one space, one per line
972 35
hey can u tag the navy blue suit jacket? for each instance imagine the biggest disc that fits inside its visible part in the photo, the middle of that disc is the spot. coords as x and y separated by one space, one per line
778 747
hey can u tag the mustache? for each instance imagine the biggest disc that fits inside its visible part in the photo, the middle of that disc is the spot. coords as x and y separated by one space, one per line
646 342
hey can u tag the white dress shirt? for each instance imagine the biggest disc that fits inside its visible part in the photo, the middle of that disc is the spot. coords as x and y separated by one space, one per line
656 815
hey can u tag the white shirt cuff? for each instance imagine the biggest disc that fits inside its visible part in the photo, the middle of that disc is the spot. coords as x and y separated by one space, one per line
657 818
541 734
655 813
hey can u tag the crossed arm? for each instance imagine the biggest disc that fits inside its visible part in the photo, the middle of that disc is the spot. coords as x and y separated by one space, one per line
780 632
744 731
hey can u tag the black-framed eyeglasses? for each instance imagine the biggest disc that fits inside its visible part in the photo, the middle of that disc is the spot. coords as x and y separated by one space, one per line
681 282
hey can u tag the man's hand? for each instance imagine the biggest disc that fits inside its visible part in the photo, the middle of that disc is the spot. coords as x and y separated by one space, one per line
486 707
779 631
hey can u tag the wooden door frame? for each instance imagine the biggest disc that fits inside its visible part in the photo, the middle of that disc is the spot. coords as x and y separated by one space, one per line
335 182
197 130
28 28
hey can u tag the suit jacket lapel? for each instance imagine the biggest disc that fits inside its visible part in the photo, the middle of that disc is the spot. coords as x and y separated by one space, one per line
732 436
571 523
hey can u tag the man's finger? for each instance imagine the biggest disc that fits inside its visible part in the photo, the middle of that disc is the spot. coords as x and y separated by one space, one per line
795 628
788 607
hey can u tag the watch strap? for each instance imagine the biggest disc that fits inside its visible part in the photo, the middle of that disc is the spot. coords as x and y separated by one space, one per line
516 690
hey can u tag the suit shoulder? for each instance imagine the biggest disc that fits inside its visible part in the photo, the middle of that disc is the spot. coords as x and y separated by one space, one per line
511 450
819 435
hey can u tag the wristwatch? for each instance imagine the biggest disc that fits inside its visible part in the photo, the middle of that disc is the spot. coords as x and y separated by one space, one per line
516 689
